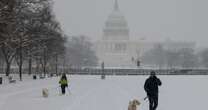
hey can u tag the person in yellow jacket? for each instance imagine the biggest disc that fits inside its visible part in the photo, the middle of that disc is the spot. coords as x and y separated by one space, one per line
64 83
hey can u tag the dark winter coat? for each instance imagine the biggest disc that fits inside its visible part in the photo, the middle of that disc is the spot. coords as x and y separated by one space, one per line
151 86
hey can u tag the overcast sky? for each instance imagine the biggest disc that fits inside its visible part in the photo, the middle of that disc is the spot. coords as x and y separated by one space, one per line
180 20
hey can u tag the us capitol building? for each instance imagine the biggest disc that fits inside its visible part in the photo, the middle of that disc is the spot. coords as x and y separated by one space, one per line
115 48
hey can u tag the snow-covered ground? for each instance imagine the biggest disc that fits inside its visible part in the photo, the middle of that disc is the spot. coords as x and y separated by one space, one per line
114 93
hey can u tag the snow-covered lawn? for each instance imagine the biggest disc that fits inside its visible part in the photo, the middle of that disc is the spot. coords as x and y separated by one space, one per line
114 93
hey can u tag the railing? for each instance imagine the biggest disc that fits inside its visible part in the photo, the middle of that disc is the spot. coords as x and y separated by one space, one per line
90 71
138 71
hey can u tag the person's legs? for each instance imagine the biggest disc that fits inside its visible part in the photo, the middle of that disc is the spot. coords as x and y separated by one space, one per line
63 89
155 101
151 103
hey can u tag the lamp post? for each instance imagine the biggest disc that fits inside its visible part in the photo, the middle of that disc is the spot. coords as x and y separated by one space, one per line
103 70
137 61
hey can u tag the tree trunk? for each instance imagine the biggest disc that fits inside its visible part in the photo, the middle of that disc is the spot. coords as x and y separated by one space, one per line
8 66
44 62
21 59
1 65
64 63
37 66
30 66
56 63
20 66
20 72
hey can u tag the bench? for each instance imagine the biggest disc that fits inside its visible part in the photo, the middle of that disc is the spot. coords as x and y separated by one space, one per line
11 80
42 77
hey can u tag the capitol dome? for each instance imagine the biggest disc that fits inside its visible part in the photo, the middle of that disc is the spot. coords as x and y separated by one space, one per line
116 26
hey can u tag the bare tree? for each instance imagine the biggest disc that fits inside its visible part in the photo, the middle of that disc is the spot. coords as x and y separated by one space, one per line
188 58
28 31
80 52
172 59
7 31
155 56
1 62
204 57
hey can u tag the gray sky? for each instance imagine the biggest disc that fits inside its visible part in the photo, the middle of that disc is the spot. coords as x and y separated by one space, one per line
180 20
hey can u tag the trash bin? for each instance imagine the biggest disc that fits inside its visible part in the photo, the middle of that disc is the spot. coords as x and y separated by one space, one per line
1 80
34 77
103 76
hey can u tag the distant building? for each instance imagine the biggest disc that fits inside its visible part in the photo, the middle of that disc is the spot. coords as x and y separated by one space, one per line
116 49
176 45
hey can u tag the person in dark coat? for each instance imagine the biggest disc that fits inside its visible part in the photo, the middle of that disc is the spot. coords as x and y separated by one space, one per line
151 88
64 83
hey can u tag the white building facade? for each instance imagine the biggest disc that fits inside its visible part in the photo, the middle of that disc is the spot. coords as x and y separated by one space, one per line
116 49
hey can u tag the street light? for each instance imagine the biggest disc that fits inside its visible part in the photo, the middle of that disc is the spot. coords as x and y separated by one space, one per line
103 72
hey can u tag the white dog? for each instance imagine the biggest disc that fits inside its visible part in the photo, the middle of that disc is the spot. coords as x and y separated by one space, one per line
45 92
133 104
